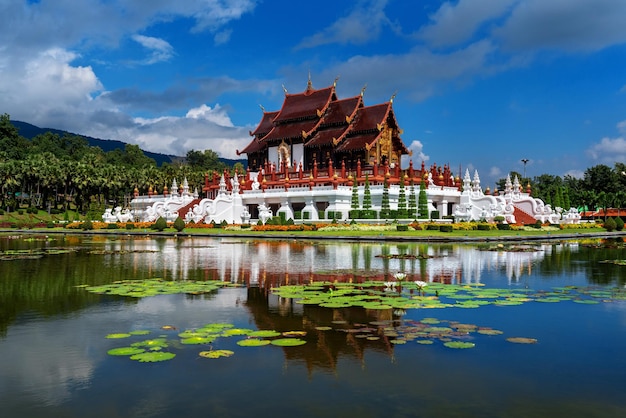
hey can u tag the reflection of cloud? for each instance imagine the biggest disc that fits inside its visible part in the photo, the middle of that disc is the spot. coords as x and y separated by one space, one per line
46 362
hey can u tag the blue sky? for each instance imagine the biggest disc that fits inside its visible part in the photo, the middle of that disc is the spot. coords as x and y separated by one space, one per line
479 84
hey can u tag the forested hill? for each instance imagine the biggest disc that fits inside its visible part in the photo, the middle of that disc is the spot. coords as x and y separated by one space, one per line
30 131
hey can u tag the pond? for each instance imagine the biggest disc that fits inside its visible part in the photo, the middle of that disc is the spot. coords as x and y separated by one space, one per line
540 326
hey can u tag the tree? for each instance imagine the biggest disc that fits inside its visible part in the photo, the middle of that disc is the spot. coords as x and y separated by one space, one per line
384 206
179 224
422 202
401 198
412 201
354 204
12 145
367 197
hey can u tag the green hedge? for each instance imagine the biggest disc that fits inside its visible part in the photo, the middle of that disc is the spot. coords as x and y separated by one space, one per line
445 228
402 227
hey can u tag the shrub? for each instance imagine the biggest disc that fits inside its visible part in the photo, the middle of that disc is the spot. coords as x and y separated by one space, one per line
445 228
130 225
1 211
160 224
434 214
402 227
619 224
112 226
432 227
483 227
354 214
179 224
224 224
538 224
499 219
50 225
20 211
610 225
87 225
503 227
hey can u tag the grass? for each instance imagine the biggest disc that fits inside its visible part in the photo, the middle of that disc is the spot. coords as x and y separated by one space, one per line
42 217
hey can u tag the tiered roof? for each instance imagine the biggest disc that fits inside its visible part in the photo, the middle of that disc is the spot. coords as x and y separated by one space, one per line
318 119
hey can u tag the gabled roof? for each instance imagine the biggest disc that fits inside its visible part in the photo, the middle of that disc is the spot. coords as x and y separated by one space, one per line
291 130
306 104
265 125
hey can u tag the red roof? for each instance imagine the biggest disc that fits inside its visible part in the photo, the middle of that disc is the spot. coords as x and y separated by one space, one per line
359 141
326 136
291 130
265 125
371 116
306 104
254 146
340 109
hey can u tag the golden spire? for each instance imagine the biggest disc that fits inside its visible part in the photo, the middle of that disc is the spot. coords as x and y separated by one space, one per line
335 82
393 96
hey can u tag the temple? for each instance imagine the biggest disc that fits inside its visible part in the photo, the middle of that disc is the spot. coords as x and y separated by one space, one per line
315 128
324 158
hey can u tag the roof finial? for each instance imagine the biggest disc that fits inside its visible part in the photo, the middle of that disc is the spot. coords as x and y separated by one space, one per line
335 82
309 84
393 96
363 89
284 89
261 106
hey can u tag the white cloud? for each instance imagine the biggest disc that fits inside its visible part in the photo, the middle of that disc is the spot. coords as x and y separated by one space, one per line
161 50
418 155
456 23
216 115
363 24
495 172
570 25
609 150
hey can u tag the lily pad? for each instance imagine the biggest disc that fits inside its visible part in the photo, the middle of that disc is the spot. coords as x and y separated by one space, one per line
521 340
216 353
125 351
252 342
459 344
153 356
118 335
140 332
288 342
265 334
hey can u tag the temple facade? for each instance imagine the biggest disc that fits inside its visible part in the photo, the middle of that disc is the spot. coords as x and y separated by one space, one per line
317 128
321 157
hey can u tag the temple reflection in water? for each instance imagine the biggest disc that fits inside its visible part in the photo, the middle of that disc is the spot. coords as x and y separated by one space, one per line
270 263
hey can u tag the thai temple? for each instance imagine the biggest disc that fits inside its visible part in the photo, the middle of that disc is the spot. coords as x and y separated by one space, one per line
309 160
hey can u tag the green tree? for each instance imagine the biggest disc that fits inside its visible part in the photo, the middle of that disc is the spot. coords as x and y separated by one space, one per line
354 203
412 201
367 197
422 202
179 224
384 206
401 199
12 145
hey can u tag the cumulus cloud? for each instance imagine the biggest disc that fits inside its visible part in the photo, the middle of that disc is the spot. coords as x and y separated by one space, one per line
418 72
160 50
570 25
364 23
417 154
453 24
203 127
609 150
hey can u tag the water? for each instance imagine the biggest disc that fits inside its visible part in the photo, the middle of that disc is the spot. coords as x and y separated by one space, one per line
54 362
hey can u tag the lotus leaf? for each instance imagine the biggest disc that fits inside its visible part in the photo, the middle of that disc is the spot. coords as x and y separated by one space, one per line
153 356
424 342
197 340
236 331
252 342
118 335
125 351
288 342
140 332
156 342
490 332
216 353
459 344
265 334
521 340
294 334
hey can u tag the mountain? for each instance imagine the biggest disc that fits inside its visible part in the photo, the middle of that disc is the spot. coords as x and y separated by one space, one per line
30 131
